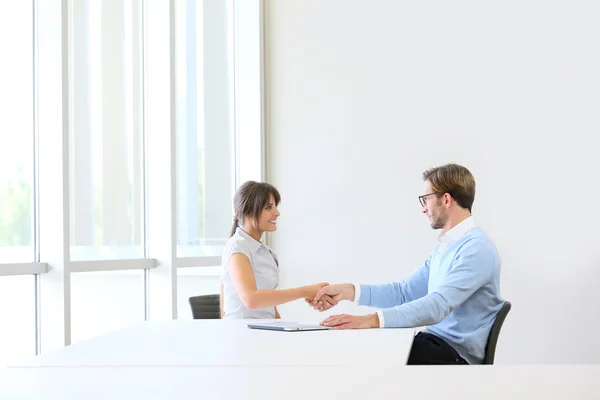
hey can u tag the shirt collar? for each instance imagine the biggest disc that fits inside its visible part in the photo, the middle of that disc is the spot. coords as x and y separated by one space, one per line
458 231
252 243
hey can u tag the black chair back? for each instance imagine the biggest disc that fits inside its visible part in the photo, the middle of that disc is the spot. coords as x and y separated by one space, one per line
490 348
206 306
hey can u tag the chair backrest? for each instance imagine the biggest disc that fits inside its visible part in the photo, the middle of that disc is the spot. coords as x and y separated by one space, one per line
490 348
206 307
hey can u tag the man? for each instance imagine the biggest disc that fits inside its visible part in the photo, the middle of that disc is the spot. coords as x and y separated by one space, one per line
455 293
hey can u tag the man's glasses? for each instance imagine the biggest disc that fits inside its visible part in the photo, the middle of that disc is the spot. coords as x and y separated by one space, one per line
422 198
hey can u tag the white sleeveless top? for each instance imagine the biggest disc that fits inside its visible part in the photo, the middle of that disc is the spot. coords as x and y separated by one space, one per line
266 272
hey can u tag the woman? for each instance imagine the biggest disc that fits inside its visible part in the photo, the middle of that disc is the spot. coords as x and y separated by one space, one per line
250 269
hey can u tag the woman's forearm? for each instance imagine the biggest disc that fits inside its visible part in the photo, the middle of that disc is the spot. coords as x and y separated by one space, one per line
269 298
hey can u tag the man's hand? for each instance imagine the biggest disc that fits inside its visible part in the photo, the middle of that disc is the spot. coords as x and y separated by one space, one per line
337 293
345 321
325 303
312 290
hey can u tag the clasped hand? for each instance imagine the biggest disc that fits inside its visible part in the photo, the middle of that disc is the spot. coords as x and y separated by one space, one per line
329 296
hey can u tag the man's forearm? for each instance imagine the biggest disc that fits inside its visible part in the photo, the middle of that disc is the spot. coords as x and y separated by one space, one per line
348 291
385 295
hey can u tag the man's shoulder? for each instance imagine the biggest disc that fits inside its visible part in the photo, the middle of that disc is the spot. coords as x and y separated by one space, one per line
476 237
479 248
477 233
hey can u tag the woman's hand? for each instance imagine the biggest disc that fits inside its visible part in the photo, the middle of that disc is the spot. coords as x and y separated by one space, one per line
326 301
312 290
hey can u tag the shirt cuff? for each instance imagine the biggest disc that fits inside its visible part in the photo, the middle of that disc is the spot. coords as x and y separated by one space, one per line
381 319
356 293
395 319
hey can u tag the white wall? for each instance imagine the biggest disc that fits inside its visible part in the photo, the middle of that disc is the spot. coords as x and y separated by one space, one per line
364 96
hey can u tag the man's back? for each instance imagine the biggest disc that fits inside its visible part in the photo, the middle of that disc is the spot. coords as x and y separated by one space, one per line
468 326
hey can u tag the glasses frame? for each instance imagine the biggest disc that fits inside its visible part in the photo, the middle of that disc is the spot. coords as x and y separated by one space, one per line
423 196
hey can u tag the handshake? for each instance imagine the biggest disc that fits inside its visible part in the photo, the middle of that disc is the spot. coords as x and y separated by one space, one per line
323 296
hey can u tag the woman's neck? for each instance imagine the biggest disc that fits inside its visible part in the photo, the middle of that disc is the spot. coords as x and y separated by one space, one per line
250 230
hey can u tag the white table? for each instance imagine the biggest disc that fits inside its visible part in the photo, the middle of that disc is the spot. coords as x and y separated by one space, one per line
231 343
372 382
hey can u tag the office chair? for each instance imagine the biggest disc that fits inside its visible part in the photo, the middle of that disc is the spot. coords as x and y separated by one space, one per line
490 348
206 307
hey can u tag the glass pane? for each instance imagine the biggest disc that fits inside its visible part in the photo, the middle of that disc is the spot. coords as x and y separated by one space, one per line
106 180
16 133
205 148
195 281
106 301
17 313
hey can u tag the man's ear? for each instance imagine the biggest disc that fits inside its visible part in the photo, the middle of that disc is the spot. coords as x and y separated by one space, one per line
447 199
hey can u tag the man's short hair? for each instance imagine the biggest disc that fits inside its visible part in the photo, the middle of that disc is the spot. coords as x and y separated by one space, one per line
455 180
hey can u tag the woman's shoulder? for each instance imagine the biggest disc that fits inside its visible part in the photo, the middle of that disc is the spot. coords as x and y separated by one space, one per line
237 240
236 244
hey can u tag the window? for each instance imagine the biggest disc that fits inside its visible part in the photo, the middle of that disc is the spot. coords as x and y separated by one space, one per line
195 281
106 180
105 301
205 141
17 313
107 260
16 133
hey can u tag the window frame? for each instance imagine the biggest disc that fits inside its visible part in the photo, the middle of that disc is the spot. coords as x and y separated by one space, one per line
53 266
